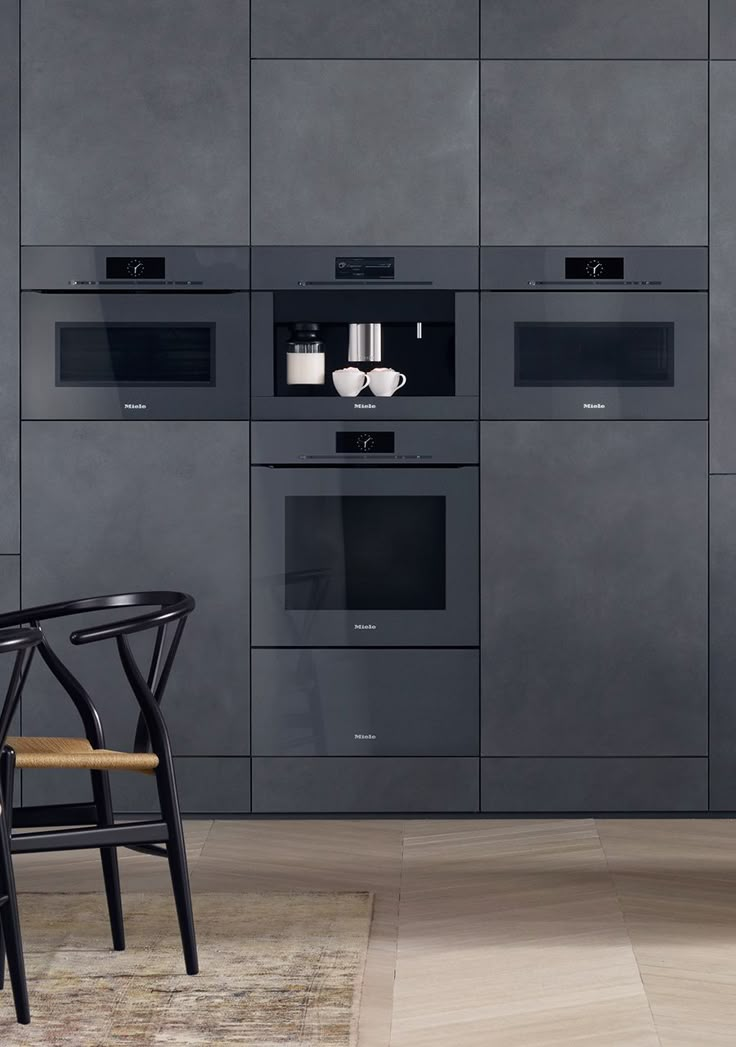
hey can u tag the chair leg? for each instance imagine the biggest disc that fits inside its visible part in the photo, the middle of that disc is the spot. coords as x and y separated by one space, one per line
10 920
7 783
177 856
109 857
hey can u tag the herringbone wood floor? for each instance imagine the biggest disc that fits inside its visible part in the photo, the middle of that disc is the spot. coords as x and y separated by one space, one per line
497 933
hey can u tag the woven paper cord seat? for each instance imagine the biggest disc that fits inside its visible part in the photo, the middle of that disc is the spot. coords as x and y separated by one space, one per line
76 753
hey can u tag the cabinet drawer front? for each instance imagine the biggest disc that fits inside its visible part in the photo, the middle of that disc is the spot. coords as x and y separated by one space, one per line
589 785
365 703
383 785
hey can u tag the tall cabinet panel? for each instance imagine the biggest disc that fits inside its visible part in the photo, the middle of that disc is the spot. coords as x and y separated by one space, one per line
9 486
366 152
722 267
135 121
582 29
594 590
126 506
723 643
594 152
356 29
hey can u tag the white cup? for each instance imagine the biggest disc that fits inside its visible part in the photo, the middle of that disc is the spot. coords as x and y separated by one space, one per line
349 381
384 381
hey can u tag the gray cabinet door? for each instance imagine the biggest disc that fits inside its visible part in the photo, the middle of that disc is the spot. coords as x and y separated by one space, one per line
356 29
585 785
135 122
206 785
9 322
594 588
722 267
582 29
352 785
723 643
126 506
722 29
579 152
366 152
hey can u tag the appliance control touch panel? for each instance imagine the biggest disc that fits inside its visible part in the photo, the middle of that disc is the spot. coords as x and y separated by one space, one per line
365 442
358 267
148 267
586 268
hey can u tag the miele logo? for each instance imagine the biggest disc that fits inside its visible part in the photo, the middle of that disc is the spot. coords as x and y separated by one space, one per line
135 407
364 737
360 625
364 407
594 407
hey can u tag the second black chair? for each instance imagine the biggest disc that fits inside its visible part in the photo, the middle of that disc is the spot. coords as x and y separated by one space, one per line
94 823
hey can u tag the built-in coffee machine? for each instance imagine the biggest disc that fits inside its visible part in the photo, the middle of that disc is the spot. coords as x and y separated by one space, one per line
392 332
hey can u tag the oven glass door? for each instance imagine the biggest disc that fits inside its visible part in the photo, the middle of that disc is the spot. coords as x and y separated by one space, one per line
362 555
135 355
594 354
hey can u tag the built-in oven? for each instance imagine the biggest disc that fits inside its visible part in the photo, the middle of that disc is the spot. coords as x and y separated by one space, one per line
364 535
134 332
349 332
584 332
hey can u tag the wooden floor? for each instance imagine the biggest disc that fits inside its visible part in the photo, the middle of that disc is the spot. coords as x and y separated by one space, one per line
497 933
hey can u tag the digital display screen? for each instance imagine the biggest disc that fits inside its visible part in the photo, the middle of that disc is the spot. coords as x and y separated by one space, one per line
135 267
356 268
594 268
365 442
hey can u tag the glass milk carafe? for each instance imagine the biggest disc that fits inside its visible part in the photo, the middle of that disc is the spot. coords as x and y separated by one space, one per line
305 357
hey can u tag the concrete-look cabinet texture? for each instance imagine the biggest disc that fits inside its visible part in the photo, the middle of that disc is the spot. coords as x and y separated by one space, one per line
722 642
134 122
357 29
594 152
9 309
125 506
594 583
364 152
722 267
595 29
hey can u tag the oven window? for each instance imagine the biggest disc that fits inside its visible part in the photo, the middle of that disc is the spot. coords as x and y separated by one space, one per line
360 553
568 354
135 354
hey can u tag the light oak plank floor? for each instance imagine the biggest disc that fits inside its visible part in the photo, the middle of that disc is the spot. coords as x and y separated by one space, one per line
500 933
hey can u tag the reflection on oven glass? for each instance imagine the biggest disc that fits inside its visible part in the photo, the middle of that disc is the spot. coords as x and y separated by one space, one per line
365 552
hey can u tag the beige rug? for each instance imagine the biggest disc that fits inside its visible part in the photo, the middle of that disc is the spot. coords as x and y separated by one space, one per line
275 969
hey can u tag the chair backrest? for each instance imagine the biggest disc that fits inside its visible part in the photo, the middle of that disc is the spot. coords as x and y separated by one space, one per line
22 642
169 608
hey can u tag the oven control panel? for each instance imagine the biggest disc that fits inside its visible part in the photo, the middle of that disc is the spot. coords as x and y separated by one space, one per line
376 442
144 267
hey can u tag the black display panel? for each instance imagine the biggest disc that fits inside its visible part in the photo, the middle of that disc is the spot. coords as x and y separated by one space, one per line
357 268
594 268
135 354
136 267
594 354
365 443
365 552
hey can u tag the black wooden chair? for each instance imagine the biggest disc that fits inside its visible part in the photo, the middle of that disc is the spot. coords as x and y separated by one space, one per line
21 642
93 823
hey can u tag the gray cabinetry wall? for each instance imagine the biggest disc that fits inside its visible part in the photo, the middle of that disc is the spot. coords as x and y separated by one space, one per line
594 152
594 589
595 29
359 29
366 152
723 266
135 122
123 506
9 310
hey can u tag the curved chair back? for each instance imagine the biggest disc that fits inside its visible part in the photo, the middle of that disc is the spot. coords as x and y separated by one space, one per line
22 642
